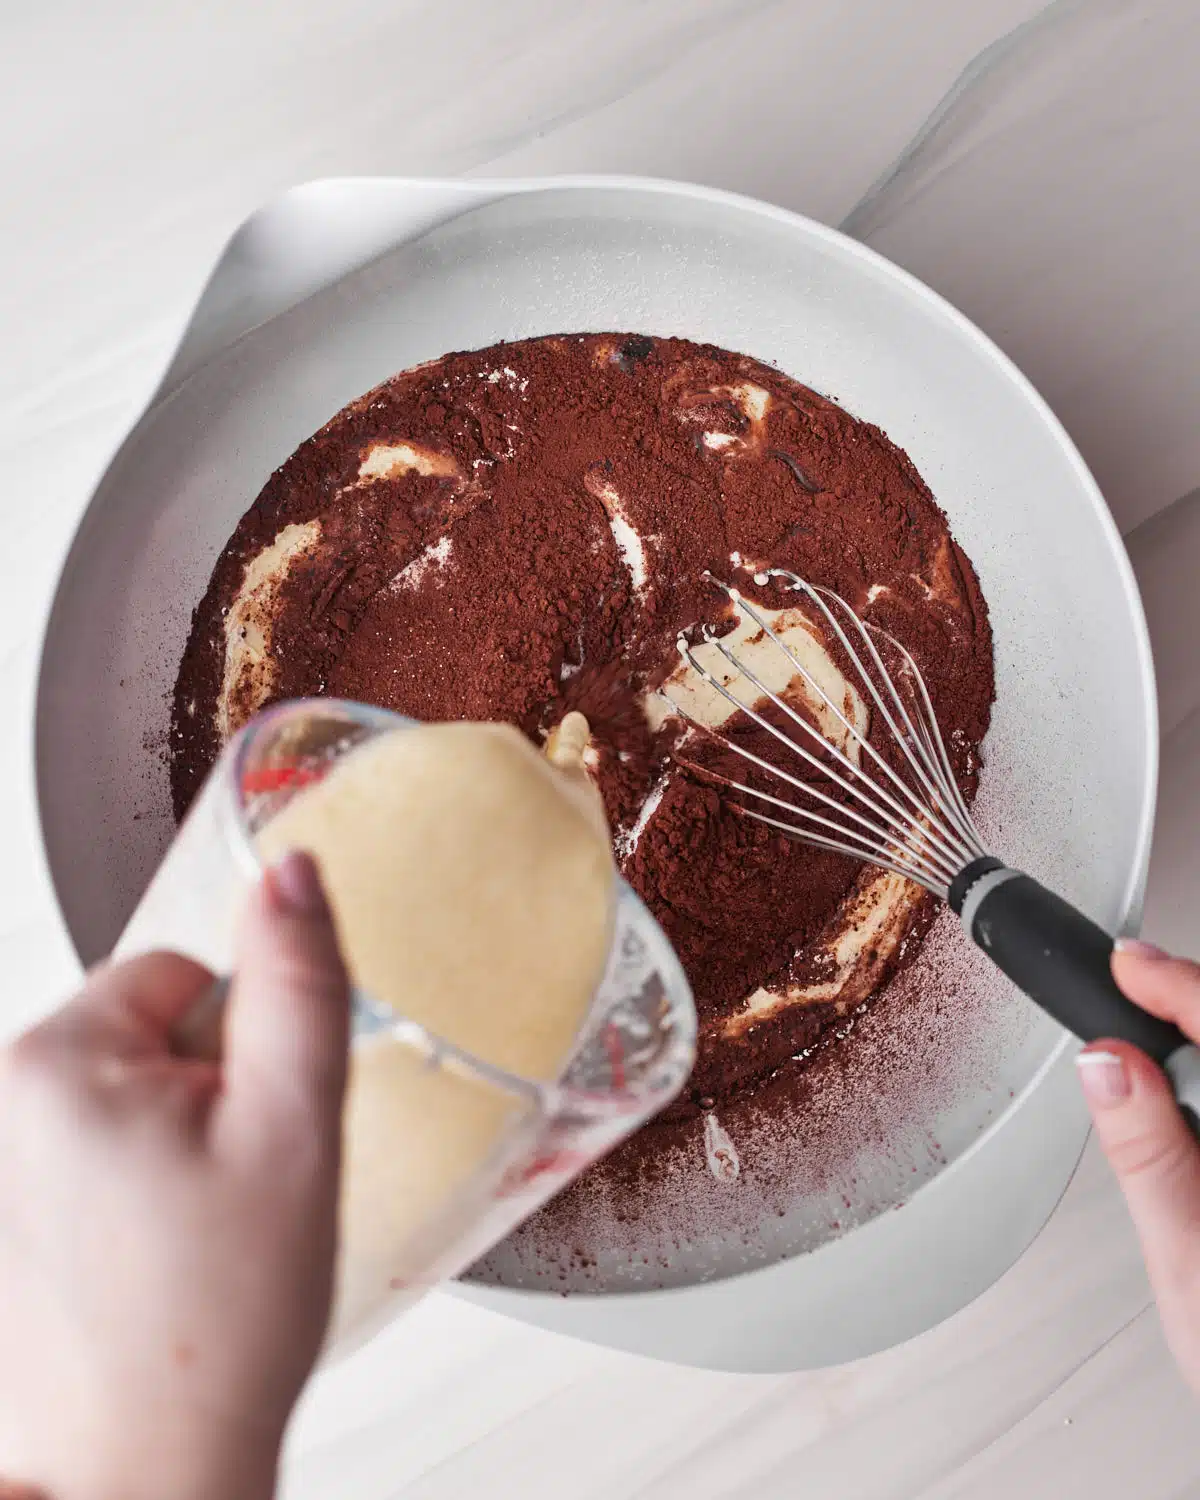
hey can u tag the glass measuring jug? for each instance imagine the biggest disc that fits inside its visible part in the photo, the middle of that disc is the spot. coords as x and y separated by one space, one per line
444 1152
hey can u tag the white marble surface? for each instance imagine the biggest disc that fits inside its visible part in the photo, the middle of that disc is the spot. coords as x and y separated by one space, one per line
1037 165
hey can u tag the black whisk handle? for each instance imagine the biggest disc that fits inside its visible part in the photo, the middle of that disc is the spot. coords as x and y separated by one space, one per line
1062 960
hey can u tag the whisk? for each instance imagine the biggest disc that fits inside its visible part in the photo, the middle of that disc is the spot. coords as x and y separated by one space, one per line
904 812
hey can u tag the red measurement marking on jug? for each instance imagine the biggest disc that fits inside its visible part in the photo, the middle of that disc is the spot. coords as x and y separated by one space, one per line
616 1055
264 779
553 1163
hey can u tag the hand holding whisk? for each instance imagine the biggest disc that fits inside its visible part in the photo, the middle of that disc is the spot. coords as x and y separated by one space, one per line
903 811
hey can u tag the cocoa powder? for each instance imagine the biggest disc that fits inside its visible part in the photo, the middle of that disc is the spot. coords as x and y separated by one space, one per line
533 609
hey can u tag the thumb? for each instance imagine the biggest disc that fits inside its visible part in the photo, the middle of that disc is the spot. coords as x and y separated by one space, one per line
1152 1151
287 1029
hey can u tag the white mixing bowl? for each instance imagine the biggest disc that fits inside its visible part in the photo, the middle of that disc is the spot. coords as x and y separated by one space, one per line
338 285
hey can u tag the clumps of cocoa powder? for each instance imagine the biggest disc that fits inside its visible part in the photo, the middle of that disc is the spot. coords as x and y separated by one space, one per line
541 459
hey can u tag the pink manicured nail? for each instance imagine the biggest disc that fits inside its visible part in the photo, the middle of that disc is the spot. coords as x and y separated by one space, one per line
1105 1078
296 884
1137 949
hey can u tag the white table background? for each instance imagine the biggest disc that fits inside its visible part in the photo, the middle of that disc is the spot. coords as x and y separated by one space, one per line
1038 165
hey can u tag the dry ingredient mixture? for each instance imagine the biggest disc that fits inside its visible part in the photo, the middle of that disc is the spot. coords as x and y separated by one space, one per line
522 530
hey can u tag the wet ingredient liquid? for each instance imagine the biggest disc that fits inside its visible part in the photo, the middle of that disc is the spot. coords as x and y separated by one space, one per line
472 886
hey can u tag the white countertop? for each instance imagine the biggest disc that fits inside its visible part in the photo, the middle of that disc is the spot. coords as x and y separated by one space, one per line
1038 166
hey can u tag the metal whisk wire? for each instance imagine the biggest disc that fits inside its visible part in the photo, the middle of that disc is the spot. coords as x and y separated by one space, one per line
916 824
925 834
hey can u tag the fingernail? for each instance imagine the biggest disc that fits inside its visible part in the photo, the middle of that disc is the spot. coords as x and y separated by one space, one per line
1104 1076
295 883
1137 949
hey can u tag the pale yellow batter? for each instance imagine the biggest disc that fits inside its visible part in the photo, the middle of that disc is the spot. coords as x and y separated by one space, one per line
472 884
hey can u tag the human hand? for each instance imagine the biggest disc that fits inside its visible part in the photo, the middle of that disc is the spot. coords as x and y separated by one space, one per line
1149 1145
168 1225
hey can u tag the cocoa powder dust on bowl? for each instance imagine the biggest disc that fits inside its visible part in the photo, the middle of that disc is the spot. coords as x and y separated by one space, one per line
522 530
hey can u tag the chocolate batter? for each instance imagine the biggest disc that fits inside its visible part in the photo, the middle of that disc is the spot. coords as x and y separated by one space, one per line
522 530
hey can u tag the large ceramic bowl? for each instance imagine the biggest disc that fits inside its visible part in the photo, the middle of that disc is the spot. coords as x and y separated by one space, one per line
338 285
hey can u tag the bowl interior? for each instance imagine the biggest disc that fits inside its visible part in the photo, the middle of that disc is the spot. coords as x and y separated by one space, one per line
1069 761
